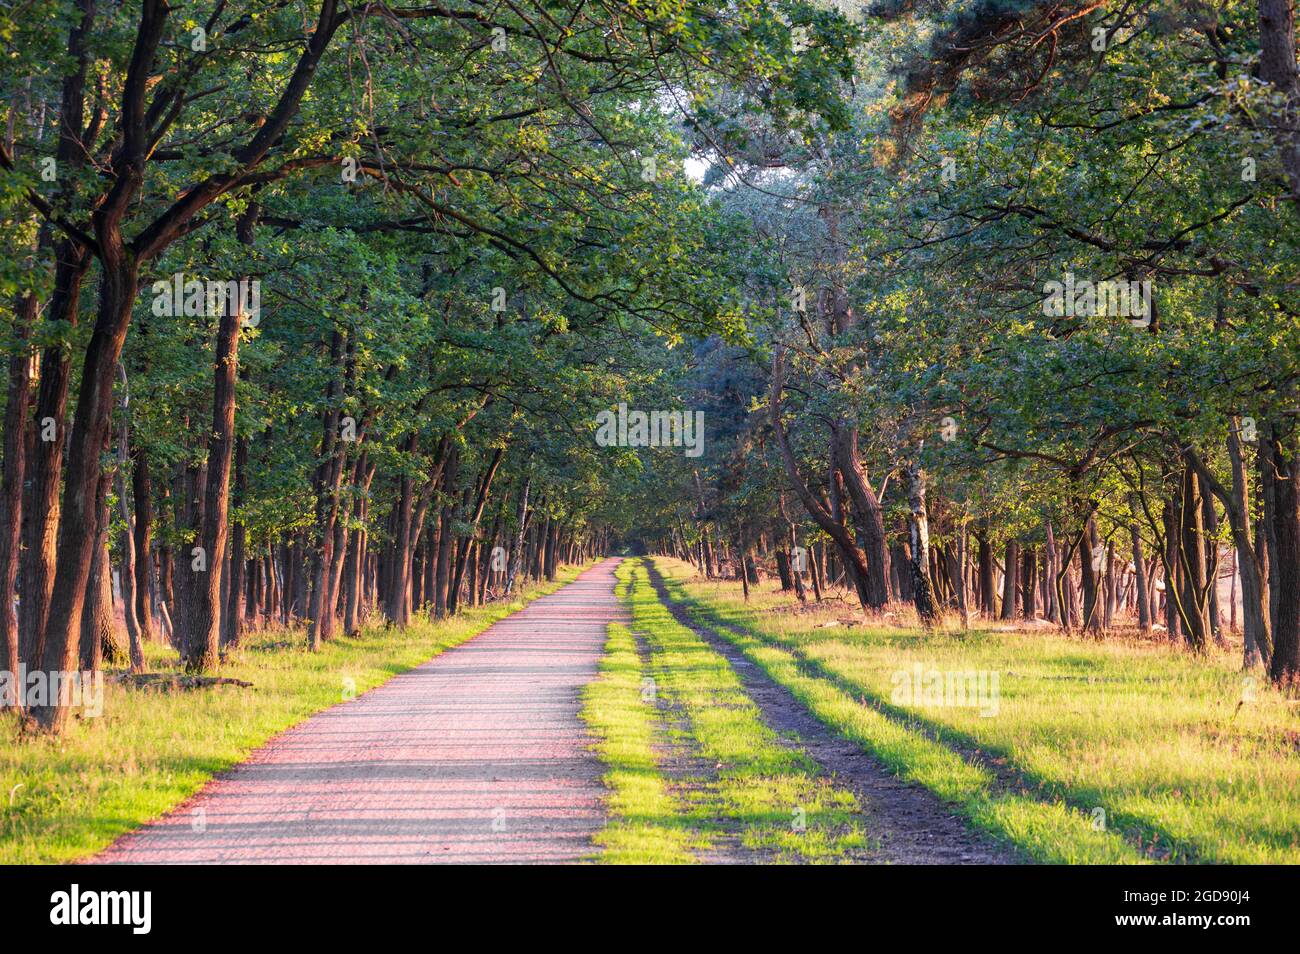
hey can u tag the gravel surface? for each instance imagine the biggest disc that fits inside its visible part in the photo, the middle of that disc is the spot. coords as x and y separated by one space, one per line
475 756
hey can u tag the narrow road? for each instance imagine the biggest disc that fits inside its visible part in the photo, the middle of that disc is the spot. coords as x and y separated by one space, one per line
475 756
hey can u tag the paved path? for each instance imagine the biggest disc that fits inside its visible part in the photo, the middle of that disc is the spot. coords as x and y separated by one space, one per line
475 756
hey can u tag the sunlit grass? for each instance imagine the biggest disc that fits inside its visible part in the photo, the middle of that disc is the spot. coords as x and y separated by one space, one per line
1189 760
646 824
67 798
769 794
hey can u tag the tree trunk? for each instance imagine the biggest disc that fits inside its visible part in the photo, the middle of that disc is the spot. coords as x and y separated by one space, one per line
548 562
200 642
119 277
1210 521
988 600
1051 577
11 490
118 283
1191 563
398 571
853 555
957 557
232 620
1011 563
446 532
918 527
742 567
517 544
865 514
97 610
143 519
1140 581
474 518
1173 621
798 558
783 570
354 572
1277 66
1236 503
328 481
1284 469
1090 566
126 540
1029 583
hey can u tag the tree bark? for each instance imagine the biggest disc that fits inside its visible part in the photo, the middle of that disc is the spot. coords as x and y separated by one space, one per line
97 610
1169 555
988 600
1051 577
1090 560
446 534
1140 580
126 540
1236 503
232 620
475 516
1011 564
1191 563
143 544
398 569
39 559
517 544
200 643
865 514
329 480
119 278
918 526
1210 523
11 489
1277 66
1284 468
848 547
1029 583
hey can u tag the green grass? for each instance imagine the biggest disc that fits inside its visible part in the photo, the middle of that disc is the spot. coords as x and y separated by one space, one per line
1189 760
645 824
62 799
744 781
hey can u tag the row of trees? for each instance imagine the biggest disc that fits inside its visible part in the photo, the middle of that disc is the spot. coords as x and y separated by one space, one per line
310 308
310 311
937 398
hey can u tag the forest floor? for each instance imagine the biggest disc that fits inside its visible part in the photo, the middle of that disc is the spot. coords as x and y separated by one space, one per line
150 750
1113 750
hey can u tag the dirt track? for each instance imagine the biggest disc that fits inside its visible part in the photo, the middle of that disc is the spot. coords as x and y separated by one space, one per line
910 825
475 756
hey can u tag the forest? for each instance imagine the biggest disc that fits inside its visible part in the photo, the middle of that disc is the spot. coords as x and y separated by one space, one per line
327 319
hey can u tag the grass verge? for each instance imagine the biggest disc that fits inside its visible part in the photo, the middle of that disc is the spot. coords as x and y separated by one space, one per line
747 784
66 798
645 823
1098 752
